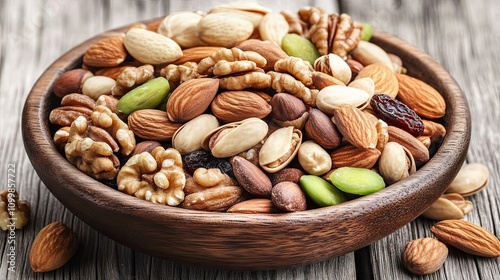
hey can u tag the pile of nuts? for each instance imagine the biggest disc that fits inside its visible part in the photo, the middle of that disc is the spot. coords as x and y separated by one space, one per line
244 110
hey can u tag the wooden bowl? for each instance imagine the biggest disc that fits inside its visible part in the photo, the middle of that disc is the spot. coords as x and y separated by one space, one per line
247 241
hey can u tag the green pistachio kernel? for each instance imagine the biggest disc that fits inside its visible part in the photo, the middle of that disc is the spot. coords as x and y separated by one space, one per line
366 32
146 96
357 180
320 191
298 46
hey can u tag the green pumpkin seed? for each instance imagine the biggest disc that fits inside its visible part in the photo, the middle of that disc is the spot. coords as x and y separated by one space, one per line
356 180
366 32
298 46
146 96
320 191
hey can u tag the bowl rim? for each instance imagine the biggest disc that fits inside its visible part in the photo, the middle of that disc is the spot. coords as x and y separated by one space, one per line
38 143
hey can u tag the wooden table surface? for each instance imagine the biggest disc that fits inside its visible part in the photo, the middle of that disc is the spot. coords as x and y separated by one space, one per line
463 36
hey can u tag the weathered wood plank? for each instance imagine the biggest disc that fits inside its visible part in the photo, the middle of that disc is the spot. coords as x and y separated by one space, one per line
463 37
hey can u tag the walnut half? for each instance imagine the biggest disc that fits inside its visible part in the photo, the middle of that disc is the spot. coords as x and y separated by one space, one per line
157 176
211 190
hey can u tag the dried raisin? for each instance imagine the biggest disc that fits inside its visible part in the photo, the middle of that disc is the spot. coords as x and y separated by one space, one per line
396 113
205 159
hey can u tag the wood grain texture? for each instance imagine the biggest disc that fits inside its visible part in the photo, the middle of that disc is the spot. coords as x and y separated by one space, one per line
461 35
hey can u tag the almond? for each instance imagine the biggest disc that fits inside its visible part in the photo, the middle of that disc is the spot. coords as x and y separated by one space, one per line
106 53
271 51
114 72
71 82
195 54
383 77
54 245
251 177
321 129
191 99
322 80
233 106
421 97
417 149
152 124
467 237
355 126
354 157
424 255
254 206
288 110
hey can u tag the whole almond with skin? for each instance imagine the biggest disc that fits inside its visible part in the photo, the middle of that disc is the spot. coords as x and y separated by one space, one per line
254 206
355 126
233 106
288 174
71 82
288 110
354 157
53 246
288 197
321 129
417 149
467 237
435 131
383 77
251 177
424 255
421 97
321 80
152 124
190 99
106 53
195 54
271 51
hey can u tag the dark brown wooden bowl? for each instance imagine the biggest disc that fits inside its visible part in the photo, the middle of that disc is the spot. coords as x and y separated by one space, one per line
247 241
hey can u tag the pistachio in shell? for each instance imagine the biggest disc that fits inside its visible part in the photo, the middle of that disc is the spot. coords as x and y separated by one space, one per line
233 138
279 149
188 137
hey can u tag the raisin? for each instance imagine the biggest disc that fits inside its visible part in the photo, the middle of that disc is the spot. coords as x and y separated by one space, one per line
396 113
205 159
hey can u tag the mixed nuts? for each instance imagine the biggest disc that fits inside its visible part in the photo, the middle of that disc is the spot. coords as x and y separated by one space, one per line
260 115
269 92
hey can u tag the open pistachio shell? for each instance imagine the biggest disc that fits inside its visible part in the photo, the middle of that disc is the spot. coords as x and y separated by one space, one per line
472 178
279 149
188 137
395 163
234 138
448 206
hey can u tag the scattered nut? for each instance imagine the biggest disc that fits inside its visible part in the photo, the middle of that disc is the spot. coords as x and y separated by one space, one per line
14 213
53 247
471 179
424 255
